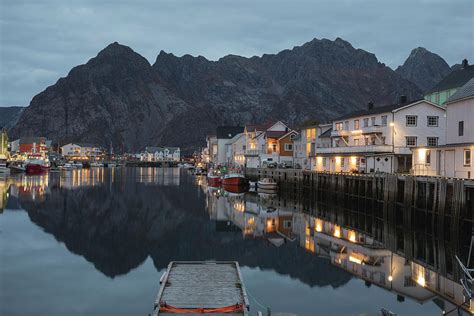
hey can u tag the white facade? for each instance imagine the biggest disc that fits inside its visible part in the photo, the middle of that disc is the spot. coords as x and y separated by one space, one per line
454 157
235 151
81 151
305 146
161 154
379 140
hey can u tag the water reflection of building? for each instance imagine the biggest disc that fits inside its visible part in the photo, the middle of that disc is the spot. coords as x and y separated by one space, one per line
79 178
161 176
4 186
353 250
30 188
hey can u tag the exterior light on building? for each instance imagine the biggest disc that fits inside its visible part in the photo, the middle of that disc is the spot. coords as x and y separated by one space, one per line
392 124
421 280
421 154
353 160
390 278
357 131
355 260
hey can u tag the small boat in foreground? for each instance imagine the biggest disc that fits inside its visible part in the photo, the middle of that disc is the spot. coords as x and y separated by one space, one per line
214 177
234 179
267 184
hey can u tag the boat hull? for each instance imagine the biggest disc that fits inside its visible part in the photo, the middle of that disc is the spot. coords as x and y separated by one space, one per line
214 181
36 169
267 186
234 181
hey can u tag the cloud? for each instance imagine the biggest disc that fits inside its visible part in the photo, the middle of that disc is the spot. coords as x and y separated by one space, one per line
42 40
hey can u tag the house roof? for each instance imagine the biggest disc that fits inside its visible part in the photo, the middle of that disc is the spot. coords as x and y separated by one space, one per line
465 91
374 110
275 134
155 149
227 132
326 133
258 127
31 140
289 133
454 79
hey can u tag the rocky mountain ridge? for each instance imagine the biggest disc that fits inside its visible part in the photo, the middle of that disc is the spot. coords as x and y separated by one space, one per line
118 97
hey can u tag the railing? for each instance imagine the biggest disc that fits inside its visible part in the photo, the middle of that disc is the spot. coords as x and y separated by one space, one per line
355 149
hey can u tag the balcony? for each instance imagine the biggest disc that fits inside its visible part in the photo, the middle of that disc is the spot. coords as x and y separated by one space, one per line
340 133
355 149
376 129
254 152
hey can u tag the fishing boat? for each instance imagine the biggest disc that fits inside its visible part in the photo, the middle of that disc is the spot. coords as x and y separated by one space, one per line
76 164
234 179
3 167
267 184
96 164
36 165
66 166
17 166
214 177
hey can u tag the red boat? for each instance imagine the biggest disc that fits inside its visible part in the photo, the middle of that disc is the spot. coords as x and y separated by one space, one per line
234 179
214 178
36 166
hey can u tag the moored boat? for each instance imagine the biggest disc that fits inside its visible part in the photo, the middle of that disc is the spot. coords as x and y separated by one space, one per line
17 166
267 184
234 179
214 177
36 166
96 164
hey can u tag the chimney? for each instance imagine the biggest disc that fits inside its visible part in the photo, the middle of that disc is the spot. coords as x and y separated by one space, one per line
464 63
370 105
403 99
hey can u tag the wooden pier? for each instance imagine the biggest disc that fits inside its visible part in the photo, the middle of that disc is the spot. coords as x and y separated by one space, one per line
190 287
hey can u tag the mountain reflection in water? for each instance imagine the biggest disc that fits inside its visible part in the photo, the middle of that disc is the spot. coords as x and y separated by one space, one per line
117 218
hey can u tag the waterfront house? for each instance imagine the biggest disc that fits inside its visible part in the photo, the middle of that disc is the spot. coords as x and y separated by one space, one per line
161 154
211 145
3 144
379 139
223 135
268 143
454 157
235 151
305 145
26 145
450 84
82 151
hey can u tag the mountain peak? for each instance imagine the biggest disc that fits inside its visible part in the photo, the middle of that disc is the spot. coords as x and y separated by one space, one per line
423 68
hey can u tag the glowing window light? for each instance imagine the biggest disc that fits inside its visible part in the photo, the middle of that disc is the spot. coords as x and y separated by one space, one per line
421 280
337 231
319 225
352 236
355 260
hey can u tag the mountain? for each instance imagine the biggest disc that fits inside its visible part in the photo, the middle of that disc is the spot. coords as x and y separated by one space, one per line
9 115
424 68
119 97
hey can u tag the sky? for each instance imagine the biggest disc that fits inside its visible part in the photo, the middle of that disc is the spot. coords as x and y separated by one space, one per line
41 40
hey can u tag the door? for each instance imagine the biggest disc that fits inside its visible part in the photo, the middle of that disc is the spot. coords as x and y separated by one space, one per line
449 163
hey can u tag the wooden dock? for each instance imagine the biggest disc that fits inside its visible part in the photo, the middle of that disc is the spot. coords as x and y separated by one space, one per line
190 287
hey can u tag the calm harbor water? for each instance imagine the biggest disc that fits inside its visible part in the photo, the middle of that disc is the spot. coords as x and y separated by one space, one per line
96 241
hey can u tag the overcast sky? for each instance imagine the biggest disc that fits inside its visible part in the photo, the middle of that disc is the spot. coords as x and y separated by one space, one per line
41 40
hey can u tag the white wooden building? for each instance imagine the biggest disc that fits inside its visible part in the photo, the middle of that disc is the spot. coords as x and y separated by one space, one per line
82 151
452 158
305 145
161 154
380 139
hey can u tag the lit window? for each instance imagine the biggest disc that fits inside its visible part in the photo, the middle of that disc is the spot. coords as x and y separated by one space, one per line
467 157
411 120
339 126
432 141
356 124
432 121
410 141
384 120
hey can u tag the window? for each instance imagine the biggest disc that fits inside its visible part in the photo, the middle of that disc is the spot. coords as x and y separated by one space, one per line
372 140
366 122
366 141
432 121
384 120
383 140
342 162
356 142
324 161
467 157
411 120
372 120
346 125
411 141
432 141
428 157
288 147
461 128
339 126
356 124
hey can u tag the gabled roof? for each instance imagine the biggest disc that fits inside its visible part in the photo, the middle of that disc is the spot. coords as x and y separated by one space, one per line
227 132
454 79
464 92
258 127
326 133
275 134
289 133
31 140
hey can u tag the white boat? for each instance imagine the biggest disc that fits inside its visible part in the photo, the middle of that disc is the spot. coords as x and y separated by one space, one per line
267 184
75 164
96 164
111 165
17 166
66 166
3 167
